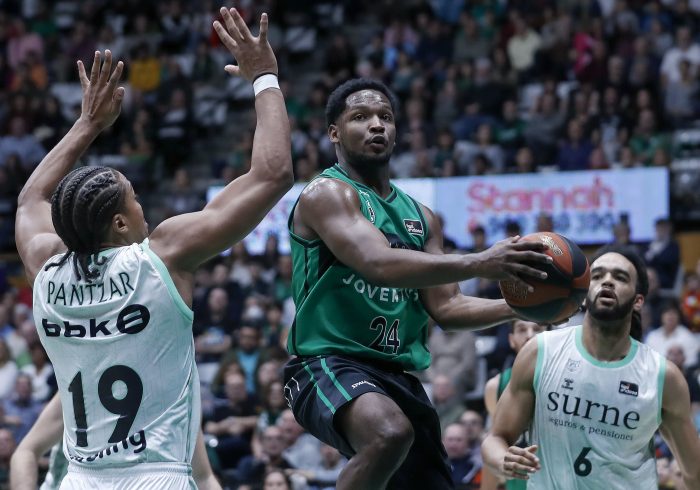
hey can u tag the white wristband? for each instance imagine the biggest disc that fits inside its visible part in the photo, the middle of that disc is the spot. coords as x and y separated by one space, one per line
264 82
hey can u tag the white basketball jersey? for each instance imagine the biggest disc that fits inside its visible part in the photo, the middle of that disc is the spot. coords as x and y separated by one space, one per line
123 353
595 421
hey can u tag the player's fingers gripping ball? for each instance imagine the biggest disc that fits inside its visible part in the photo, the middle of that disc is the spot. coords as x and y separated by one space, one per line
559 296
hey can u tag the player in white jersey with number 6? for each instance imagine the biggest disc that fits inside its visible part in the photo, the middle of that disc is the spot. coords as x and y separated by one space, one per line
593 397
112 303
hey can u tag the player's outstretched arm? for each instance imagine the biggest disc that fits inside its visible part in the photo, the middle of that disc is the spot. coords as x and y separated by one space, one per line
677 426
514 412
34 232
45 432
186 241
331 210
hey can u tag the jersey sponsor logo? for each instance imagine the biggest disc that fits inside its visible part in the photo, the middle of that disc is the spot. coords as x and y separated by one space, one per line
627 388
572 366
589 410
363 382
385 295
130 320
137 442
414 226
568 384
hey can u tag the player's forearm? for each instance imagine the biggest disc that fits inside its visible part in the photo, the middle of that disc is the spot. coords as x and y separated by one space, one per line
493 452
272 154
472 313
23 470
59 162
416 270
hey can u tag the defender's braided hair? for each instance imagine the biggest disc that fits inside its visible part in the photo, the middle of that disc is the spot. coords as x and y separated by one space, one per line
82 207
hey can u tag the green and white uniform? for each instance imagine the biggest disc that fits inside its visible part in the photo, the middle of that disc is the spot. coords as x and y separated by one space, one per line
123 353
595 421
339 311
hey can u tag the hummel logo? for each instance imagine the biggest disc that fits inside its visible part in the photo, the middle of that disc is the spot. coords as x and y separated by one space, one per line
567 384
364 382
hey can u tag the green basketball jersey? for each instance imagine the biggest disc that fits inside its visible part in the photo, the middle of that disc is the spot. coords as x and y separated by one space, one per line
339 311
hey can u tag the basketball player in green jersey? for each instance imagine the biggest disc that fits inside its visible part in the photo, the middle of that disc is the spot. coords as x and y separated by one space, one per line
521 332
594 397
112 303
47 432
368 270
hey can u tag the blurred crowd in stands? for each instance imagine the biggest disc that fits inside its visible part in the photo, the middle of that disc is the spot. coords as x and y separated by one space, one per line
509 86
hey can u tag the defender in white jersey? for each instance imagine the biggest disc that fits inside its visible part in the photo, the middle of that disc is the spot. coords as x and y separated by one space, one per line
47 433
112 304
593 397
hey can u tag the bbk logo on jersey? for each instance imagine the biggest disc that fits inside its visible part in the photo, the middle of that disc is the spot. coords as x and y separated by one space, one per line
414 226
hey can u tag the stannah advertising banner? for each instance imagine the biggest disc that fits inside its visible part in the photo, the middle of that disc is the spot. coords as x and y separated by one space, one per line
584 205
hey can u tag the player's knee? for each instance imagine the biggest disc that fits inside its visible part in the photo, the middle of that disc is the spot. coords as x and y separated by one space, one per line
394 437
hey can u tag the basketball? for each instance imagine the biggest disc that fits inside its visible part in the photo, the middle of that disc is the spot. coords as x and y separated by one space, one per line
559 296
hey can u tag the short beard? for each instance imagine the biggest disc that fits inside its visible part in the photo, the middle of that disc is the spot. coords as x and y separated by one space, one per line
616 314
362 161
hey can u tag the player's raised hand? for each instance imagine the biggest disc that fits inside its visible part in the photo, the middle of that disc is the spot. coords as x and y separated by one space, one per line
253 54
513 259
520 463
102 99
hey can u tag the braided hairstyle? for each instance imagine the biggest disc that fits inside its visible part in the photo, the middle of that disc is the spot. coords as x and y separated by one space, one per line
82 207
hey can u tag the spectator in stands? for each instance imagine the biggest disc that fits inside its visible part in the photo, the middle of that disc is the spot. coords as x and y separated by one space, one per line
21 43
8 371
663 254
575 151
7 448
22 144
302 449
233 421
40 371
277 480
174 131
464 469
325 476
672 332
680 96
454 355
213 327
339 59
21 411
474 423
522 48
684 49
248 353
446 399
676 355
251 469
690 301
182 198
145 71
483 144
273 404
469 44
543 128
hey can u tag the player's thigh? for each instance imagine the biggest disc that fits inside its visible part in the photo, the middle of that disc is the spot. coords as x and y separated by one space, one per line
371 418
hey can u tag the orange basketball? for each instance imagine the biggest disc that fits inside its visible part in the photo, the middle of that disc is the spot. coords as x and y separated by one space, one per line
559 296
